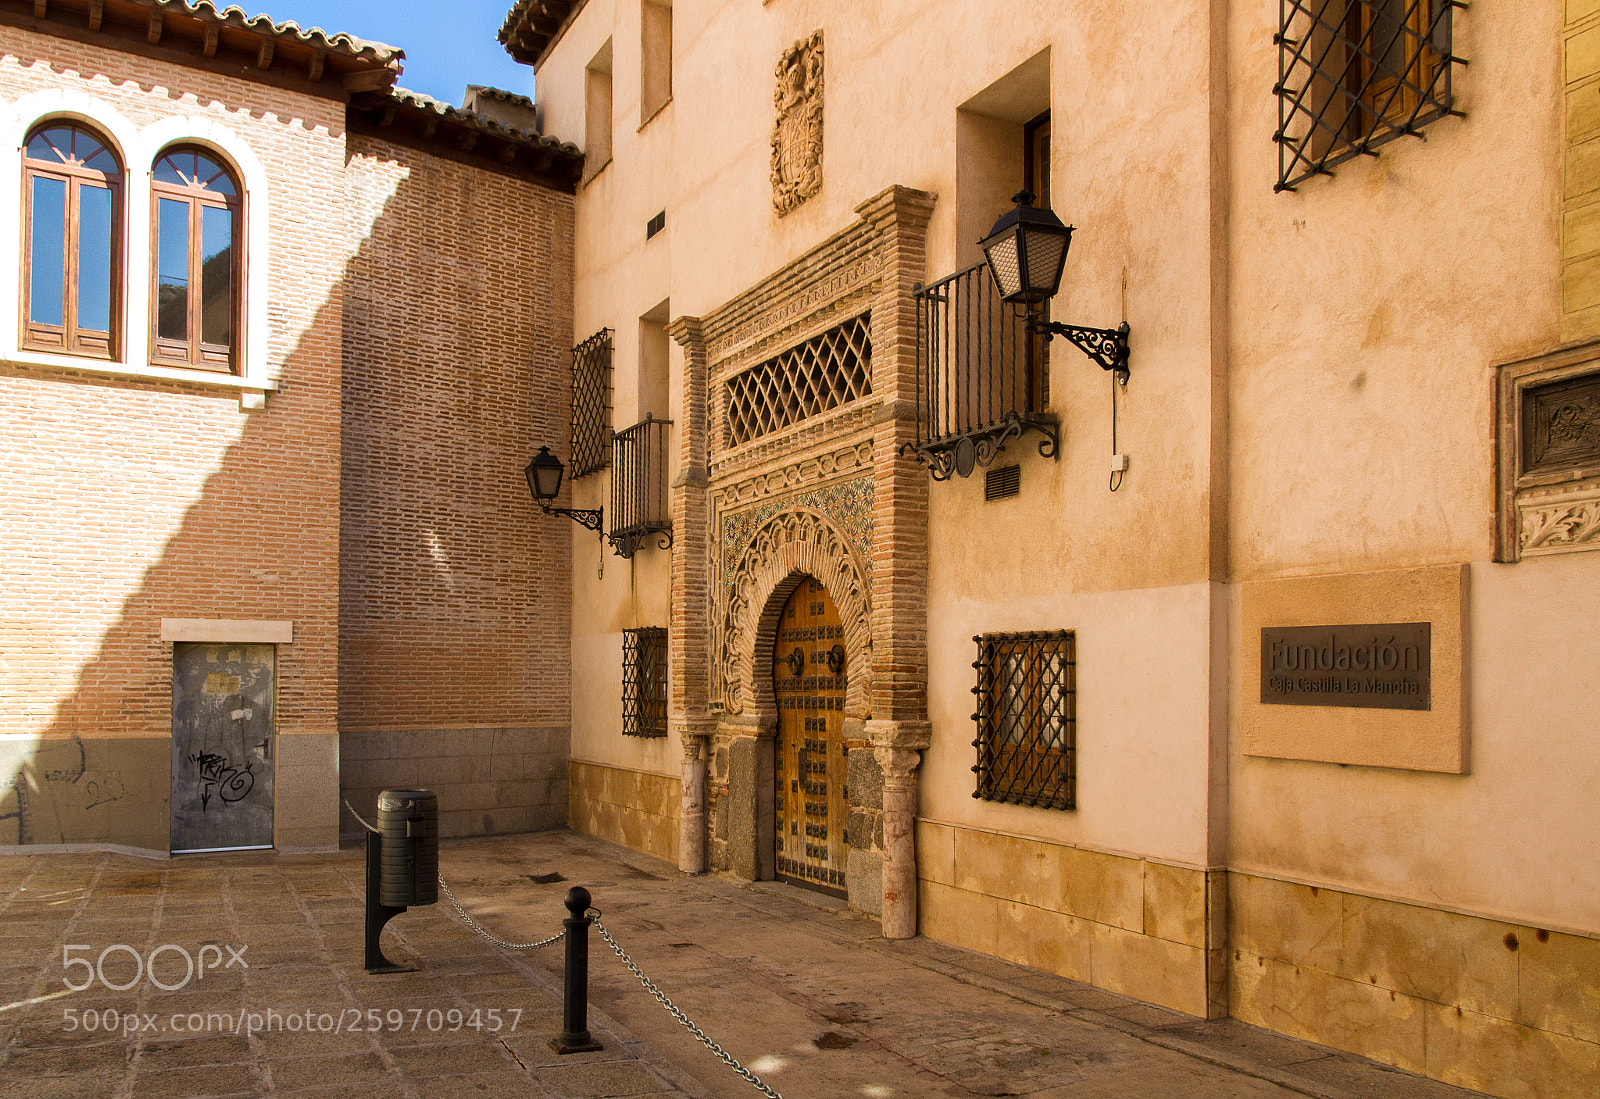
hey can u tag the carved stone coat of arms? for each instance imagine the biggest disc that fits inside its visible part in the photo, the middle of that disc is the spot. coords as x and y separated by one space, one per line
797 135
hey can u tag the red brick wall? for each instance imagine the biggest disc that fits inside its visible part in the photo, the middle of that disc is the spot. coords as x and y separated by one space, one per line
129 501
455 594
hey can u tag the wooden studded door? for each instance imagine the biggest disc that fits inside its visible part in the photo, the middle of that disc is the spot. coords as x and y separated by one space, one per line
808 680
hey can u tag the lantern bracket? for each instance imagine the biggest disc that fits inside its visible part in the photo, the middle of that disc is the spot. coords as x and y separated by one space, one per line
590 518
1106 346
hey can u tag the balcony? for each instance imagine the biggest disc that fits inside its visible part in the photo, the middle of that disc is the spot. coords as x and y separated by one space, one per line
639 505
982 378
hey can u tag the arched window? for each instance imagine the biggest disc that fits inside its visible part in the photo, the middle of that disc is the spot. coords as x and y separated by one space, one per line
198 265
72 188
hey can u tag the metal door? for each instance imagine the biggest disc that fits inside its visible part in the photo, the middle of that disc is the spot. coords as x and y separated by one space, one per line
808 679
222 718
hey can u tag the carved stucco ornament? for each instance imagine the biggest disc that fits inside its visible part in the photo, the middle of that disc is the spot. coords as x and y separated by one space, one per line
794 543
797 134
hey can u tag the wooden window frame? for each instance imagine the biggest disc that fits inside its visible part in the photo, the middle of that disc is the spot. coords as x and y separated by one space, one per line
67 338
1342 95
193 352
1385 92
1027 723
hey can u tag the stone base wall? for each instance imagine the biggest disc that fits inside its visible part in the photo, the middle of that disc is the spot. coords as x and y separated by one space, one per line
86 790
1145 929
305 787
633 808
1498 1007
490 781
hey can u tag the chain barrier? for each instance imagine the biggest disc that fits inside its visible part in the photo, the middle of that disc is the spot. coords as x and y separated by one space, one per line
482 932
485 934
649 985
673 1010
359 818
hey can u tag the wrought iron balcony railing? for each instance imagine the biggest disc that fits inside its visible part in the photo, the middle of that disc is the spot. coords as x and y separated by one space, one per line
982 378
639 503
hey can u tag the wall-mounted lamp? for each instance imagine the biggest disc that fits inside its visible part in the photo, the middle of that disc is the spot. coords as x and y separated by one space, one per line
544 481
1027 250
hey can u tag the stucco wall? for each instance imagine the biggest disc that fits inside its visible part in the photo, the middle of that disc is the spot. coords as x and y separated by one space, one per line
706 160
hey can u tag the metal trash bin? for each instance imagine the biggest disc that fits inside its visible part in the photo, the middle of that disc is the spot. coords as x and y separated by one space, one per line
408 829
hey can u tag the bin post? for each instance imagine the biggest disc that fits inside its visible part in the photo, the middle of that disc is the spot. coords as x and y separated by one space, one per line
379 913
575 1036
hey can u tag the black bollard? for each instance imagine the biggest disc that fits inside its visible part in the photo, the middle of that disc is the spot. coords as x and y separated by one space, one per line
575 1036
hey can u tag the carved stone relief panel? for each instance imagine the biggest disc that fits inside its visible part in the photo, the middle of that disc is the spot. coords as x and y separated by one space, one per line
1549 441
797 133
770 530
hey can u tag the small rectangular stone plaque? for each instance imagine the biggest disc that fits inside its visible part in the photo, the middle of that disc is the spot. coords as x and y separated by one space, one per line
1383 666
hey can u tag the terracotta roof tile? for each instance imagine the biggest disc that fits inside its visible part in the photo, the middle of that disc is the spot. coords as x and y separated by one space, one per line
532 25
235 16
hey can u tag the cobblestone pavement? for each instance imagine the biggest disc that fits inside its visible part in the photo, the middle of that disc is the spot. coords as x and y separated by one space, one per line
804 993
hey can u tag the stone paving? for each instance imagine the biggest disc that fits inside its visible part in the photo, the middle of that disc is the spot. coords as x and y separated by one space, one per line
803 992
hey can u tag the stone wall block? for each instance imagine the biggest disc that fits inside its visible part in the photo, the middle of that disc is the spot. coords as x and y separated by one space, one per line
1046 940
1175 903
1559 983
864 878
865 776
1503 1059
1462 961
1293 923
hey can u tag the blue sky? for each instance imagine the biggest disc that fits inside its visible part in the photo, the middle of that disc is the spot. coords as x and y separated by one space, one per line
449 43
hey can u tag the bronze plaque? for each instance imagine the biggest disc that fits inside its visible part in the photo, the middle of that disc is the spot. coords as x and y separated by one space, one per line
1384 666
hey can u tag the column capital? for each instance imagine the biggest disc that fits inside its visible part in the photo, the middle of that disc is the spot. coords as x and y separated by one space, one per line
911 735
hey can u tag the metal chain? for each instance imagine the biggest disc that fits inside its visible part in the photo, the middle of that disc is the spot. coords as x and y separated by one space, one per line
485 934
650 987
462 912
357 815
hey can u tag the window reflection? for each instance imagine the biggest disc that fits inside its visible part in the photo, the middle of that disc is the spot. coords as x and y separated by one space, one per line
172 271
197 259
47 297
95 271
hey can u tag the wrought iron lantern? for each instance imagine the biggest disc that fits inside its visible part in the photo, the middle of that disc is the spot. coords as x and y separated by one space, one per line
544 474
1027 251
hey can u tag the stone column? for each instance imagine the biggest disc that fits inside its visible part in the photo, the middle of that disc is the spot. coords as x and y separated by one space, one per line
695 739
689 616
898 746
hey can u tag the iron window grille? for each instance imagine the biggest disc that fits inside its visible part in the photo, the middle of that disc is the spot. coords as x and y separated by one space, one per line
1027 719
982 377
591 404
639 506
822 373
644 682
1355 74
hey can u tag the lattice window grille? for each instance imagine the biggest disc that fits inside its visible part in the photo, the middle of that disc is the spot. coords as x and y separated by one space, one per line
644 682
1027 719
591 404
1355 74
822 373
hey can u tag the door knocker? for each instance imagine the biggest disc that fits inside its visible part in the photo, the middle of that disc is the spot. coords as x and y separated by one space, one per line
836 660
797 662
